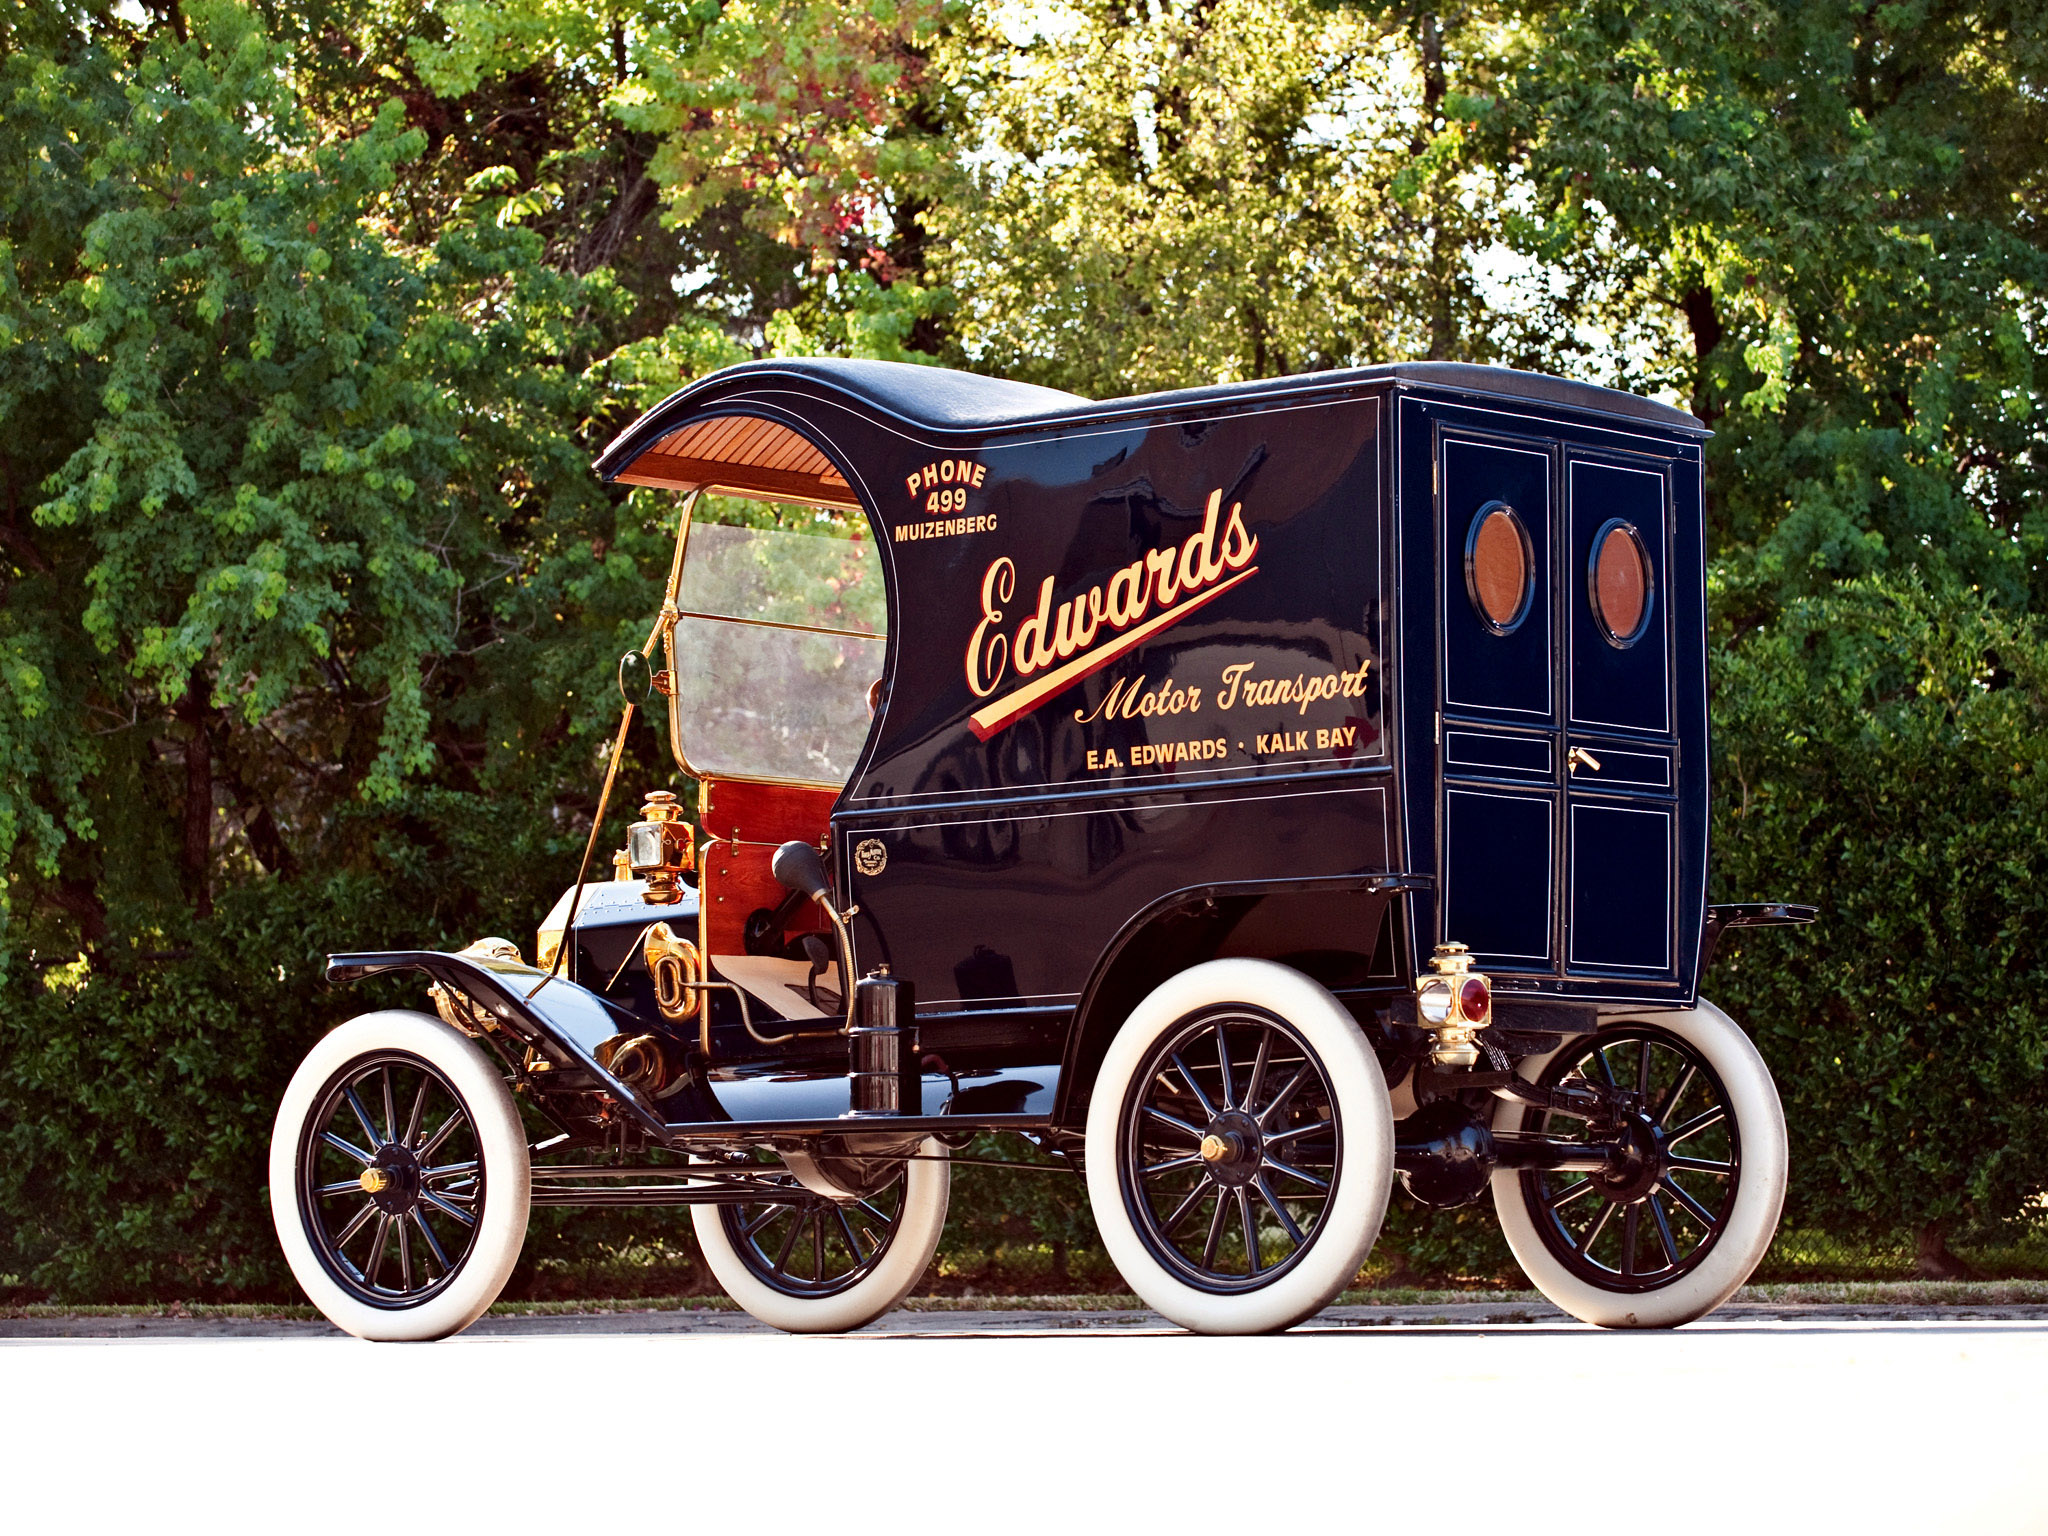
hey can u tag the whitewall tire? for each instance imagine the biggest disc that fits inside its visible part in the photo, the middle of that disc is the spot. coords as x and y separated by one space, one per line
399 1178
1240 1148
1674 1234
815 1265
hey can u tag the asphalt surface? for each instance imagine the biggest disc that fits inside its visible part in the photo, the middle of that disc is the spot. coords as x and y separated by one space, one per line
949 1324
1772 1418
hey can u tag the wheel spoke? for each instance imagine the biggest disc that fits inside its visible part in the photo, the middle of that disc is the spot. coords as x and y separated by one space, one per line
1592 1234
1223 1065
1251 1234
1567 1195
1280 1100
1643 1051
448 1170
390 1107
355 1223
796 1228
1631 1229
362 1116
419 1110
345 1187
1700 1213
1258 1077
1299 1130
447 1209
1701 1165
376 1263
1192 1160
852 1238
1172 1122
1290 1171
880 1216
343 1147
1201 1098
1215 1233
1704 1120
433 1243
768 1214
1663 1231
1677 1092
818 1247
1265 1190
1180 1212
433 1142
404 1253
1607 1072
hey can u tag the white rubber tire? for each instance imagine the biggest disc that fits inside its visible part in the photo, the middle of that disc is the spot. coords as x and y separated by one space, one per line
507 1176
927 1186
1365 1175
1759 1195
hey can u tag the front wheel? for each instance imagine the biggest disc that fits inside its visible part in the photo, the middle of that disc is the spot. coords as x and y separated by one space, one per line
812 1264
399 1178
1240 1148
1682 1218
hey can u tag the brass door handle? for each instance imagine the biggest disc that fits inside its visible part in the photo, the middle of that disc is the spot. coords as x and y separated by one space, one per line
1579 755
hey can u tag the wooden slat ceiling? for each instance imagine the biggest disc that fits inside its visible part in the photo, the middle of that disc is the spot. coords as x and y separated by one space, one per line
742 456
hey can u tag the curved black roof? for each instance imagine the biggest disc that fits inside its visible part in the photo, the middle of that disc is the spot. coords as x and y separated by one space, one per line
945 399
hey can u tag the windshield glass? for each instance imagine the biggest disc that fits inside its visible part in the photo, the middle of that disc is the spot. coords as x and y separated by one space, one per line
782 634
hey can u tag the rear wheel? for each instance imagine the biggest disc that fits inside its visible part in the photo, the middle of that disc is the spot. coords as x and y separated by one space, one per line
1687 1211
812 1264
398 1178
1240 1148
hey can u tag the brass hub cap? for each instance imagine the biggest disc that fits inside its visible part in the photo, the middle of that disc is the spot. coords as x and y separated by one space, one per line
1230 1148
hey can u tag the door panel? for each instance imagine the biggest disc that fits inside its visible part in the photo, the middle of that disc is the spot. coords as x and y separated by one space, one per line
1619 814
1618 686
1620 860
1500 680
1497 862
1486 670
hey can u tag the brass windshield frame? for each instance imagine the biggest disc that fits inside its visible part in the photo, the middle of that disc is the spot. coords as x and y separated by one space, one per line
675 737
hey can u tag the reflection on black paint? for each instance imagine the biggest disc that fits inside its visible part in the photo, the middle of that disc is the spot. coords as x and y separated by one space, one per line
985 974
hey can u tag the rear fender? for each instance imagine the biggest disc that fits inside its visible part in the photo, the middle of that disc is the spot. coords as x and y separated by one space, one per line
552 1014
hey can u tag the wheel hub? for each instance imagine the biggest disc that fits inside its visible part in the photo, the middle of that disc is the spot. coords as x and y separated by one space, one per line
393 1180
1231 1148
1637 1161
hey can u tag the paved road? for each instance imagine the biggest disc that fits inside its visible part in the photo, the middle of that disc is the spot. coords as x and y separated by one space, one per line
974 1423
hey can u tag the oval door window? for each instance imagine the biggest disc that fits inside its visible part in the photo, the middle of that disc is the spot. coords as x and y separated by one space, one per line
1499 570
1620 583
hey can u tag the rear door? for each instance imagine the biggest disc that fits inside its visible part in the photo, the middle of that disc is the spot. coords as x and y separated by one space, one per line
1621 747
1499 722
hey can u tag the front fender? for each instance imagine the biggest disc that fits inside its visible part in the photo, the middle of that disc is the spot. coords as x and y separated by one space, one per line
533 1006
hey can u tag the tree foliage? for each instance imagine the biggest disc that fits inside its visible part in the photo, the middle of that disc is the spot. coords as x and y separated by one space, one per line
313 316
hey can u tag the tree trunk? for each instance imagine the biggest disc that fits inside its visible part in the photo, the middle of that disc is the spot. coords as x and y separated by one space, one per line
1933 1260
1705 323
198 796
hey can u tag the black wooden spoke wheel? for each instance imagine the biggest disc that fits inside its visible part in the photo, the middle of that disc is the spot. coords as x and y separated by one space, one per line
1695 1177
1240 1147
399 1177
1661 1209
813 1264
391 1180
1232 1149
812 1247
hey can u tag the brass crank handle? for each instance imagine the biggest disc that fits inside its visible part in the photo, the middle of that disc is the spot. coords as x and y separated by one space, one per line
1579 755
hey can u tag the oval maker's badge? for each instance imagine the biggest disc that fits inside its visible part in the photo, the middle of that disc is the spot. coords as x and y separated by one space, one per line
870 857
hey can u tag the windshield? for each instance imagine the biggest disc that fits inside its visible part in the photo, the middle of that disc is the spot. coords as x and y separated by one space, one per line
781 636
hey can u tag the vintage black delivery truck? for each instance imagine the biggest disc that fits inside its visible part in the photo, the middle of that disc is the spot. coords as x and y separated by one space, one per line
1253 795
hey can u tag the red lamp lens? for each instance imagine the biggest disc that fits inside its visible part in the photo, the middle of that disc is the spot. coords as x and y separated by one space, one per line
1474 999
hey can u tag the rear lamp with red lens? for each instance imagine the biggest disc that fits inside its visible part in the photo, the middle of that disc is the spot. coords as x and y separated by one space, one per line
1473 1000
